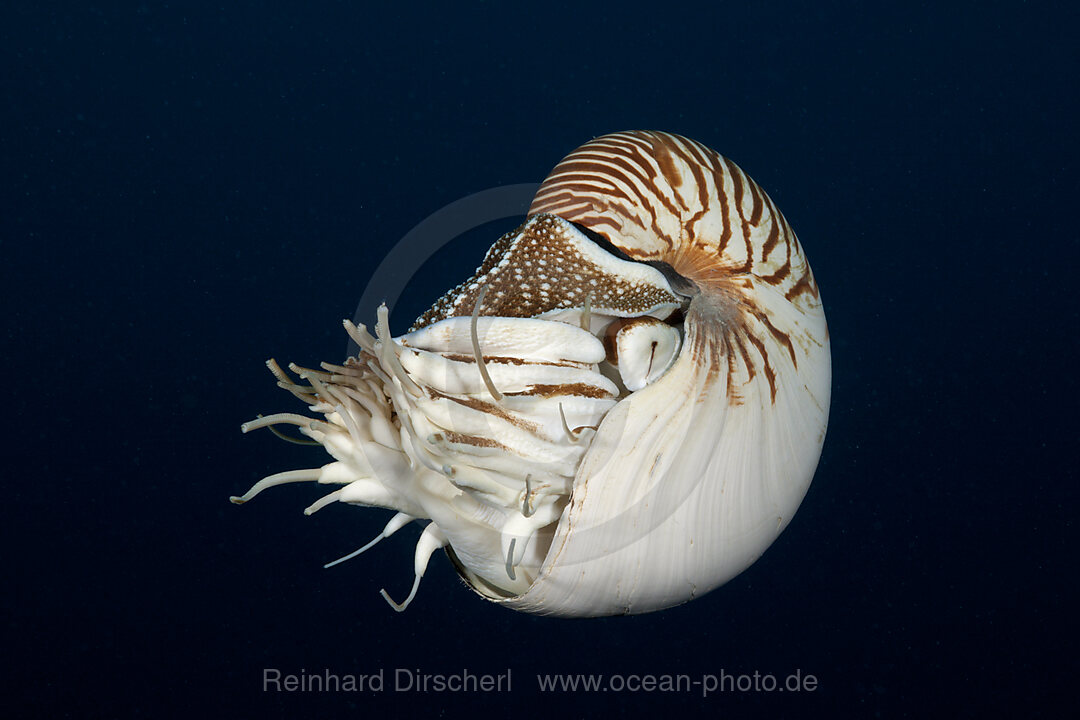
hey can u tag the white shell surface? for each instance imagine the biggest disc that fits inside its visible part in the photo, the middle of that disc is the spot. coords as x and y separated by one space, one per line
723 481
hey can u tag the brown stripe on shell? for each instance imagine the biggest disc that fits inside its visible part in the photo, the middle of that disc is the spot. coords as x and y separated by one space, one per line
805 284
774 234
737 185
618 166
782 337
770 374
725 214
703 166
666 162
599 210
621 163
778 277
755 212
712 202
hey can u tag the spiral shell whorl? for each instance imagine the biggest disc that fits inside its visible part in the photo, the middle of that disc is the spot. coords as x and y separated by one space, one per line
661 197
739 419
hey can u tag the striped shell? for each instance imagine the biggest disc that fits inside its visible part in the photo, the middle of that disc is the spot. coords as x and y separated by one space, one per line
618 412
732 433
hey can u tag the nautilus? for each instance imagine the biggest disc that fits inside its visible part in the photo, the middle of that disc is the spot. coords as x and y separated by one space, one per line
618 412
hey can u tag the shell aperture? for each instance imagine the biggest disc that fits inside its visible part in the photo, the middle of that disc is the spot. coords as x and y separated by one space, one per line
618 412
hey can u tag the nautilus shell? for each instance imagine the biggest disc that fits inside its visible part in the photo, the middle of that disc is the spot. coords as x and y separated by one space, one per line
621 409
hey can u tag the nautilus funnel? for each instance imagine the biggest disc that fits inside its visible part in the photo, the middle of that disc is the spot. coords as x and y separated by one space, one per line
619 411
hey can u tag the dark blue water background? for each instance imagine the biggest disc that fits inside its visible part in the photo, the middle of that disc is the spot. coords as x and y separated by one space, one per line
190 188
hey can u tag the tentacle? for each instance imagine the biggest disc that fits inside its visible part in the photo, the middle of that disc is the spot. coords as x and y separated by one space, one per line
430 540
388 354
267 420
323 502
360 336
510 560
281 478
397 522
498 396
525 509
570 434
